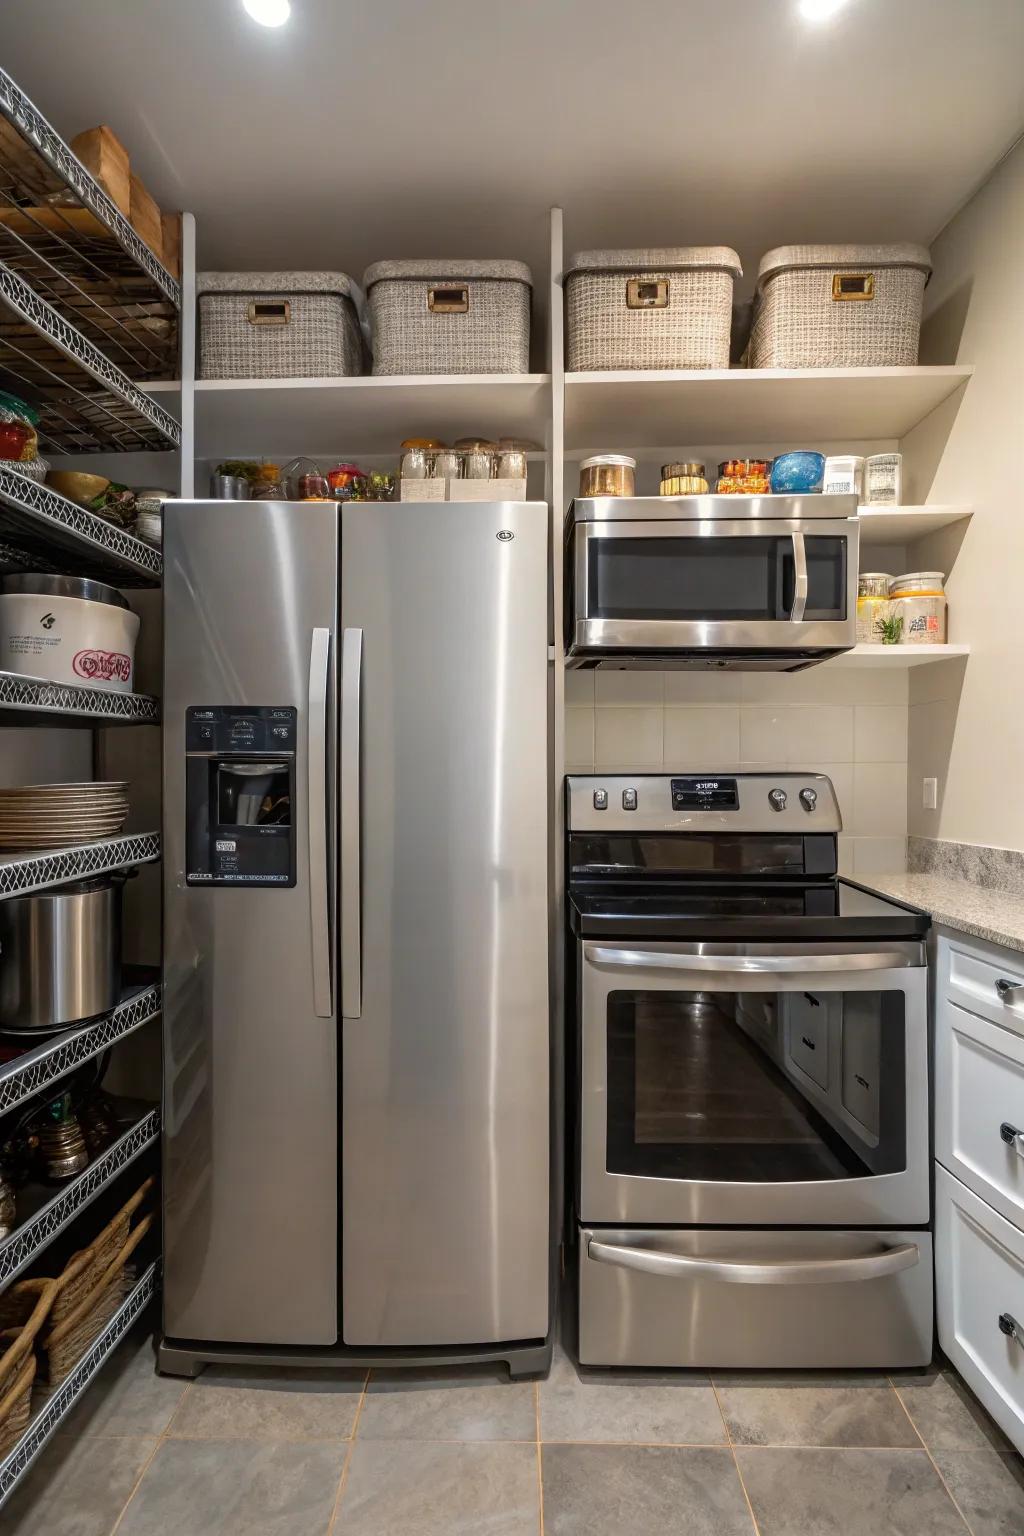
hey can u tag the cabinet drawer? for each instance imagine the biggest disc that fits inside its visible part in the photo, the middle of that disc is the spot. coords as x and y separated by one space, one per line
979 1108
979 1267
974 981
807 1032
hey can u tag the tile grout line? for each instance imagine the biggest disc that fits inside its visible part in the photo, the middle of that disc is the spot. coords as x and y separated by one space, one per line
160 1440
343 1479
927 1450
735 1458
540 1459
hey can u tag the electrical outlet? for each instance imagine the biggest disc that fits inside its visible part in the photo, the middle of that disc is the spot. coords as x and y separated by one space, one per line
930 795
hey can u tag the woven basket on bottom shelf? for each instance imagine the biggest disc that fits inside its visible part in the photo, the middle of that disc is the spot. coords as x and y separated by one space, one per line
65 1344
18 1363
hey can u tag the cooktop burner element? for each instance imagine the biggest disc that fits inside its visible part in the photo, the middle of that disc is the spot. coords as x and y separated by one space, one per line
715 856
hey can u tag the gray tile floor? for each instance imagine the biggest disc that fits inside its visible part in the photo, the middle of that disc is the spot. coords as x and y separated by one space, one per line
581 1454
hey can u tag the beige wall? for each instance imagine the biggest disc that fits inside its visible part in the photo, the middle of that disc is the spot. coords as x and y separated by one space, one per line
967 719
851 725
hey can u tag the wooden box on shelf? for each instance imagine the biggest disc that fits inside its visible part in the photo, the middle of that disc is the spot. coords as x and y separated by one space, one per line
106 160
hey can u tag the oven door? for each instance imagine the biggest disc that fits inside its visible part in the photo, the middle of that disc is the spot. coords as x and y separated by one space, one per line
713 587
762 1085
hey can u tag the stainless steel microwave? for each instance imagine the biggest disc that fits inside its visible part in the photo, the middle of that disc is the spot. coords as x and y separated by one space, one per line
749 582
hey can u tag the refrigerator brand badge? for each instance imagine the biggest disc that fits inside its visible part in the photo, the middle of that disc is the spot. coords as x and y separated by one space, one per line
504 534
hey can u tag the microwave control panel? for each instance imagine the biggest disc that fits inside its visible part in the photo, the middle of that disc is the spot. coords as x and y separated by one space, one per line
240 794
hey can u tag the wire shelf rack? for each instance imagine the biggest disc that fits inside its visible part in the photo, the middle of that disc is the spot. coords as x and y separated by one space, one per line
28 1074
87 404
37 524
22 873
58 1404
30 1239
34 701
43 167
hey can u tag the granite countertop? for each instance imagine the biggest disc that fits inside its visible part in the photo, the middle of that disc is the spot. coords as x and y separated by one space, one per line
984 911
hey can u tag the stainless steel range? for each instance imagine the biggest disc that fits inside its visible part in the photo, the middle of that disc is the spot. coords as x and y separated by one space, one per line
752 1081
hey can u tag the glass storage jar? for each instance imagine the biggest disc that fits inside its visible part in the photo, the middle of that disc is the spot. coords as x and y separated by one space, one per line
873 606
744 477
449 464
686 479
919 598
511 464
478 464
608 474
417 464
18 438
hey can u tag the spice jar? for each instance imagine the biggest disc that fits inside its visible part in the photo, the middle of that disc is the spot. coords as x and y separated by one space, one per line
872 606
608 474
267 485
478 464
511 464
919 598
448 464
744 477
683 480
344 481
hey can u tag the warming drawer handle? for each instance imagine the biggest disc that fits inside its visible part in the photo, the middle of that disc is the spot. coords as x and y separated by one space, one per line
350 818
684 1266
654 960
316 793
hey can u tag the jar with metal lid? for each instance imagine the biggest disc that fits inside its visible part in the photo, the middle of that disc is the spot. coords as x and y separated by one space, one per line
873 606
744 477
687 479
449 463
608 474
919 598
478 464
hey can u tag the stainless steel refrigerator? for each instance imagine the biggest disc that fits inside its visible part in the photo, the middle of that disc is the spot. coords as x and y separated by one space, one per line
356 1015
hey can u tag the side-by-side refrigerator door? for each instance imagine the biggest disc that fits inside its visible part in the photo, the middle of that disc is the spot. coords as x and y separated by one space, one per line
250 1024
444 924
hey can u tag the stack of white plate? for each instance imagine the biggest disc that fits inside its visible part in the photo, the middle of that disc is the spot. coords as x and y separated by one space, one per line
61 815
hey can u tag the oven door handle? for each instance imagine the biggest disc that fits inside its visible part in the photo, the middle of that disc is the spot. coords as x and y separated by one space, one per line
686 1266
725 965
800 570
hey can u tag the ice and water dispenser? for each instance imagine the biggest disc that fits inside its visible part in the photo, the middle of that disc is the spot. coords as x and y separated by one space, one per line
240 795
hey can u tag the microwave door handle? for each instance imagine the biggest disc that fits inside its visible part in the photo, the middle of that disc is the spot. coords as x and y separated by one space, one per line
350 818
800 570
654 960
316 794
687 1266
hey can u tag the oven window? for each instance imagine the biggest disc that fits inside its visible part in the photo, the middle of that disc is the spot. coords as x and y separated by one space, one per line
756 1087
714 579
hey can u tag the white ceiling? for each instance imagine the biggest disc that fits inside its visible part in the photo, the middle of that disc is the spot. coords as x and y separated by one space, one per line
367 129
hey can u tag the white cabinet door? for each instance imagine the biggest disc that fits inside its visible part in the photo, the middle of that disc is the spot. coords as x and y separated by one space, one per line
979 1108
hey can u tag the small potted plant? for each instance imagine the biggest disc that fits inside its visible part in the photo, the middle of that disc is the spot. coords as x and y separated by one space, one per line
891 629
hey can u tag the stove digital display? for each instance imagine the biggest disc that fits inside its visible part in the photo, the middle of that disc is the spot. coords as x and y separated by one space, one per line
705 795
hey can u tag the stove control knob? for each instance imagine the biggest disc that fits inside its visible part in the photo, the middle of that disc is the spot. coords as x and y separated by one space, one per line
808 799
600 799
777 799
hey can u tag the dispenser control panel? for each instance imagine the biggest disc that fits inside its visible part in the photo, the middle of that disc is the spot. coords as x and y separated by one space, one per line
240 794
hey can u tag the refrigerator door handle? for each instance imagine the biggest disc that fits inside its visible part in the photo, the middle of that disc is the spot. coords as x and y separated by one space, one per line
316 784
351 875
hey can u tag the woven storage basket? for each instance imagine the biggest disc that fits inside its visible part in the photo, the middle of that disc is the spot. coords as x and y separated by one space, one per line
65 1344
278 325
667 307
449 316
17 1361
839 306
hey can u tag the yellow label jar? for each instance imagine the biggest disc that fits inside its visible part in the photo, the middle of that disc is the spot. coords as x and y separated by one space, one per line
873 606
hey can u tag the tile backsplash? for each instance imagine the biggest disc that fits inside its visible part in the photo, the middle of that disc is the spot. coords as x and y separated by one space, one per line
850 724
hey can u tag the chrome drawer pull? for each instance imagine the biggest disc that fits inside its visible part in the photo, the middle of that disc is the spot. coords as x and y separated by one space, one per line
689 1266
1010 1326
1010 991
1012 1137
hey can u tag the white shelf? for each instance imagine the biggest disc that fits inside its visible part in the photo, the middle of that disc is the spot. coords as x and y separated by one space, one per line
896 657
649 410
246 418
902 525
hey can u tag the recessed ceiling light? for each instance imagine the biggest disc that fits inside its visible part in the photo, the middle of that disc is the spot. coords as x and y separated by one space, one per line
269 13
820 10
